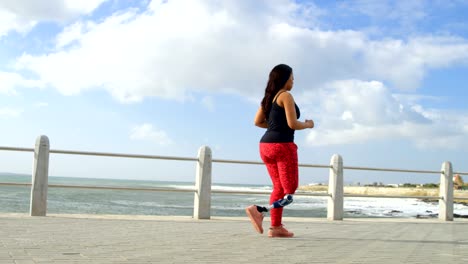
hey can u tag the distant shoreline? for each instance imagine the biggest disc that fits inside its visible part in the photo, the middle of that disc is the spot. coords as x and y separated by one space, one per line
390 191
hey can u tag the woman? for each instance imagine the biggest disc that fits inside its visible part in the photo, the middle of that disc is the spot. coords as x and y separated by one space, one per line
279 114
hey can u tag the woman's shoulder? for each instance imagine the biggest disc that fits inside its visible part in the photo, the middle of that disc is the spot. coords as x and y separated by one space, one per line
286 95
284 98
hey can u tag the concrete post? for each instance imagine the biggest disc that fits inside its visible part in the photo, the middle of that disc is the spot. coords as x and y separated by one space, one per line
335 189
40 177
446 193
202 201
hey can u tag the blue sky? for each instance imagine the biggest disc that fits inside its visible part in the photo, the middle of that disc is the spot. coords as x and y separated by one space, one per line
384 81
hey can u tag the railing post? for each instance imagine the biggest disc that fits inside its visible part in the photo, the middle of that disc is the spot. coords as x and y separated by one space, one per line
446 193
40 176
202 201
335 189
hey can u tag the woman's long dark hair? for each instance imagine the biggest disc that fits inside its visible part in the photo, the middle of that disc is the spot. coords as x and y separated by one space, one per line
279 75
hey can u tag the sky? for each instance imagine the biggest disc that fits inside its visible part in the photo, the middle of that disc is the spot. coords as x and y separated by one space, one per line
384 81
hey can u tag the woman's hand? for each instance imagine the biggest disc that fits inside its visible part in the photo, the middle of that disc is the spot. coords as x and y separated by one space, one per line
260 119
309 123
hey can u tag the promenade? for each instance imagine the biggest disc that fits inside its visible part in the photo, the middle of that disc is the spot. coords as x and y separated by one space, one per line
153 239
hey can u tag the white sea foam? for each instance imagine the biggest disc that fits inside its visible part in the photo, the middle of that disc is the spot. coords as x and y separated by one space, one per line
180 186
378 207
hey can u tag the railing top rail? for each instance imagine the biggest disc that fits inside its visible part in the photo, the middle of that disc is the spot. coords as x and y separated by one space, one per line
391 170
261 163
105 154
123 155
17 149
238 161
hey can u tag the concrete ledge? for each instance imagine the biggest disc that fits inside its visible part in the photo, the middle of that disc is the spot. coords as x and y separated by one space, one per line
233 218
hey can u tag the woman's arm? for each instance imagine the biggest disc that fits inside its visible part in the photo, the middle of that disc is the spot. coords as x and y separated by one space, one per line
286 100
260 119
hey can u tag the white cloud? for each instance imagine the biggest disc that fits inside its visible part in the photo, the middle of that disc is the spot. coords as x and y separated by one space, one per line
23 15
69 35
148 133
82 7
41 104
7 112
355 112
177 46
347 115
413 99
9 82
9 21
405 63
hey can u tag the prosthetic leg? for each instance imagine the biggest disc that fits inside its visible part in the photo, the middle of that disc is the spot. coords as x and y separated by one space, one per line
287 200
256 214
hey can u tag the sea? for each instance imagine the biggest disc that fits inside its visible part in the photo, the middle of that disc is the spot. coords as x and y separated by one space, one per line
16 199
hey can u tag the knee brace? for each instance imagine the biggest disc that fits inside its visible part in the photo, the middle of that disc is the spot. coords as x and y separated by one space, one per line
288 199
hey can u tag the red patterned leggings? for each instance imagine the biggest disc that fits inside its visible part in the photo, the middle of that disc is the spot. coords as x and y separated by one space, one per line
282 165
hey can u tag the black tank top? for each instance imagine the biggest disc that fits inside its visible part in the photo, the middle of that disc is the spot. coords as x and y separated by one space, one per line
278 130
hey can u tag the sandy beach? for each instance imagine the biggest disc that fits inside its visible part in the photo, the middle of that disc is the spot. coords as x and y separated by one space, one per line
388 191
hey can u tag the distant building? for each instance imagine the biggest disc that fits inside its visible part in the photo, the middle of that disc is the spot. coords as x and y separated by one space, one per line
458 182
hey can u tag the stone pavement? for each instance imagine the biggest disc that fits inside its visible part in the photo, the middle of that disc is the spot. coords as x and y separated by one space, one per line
151 239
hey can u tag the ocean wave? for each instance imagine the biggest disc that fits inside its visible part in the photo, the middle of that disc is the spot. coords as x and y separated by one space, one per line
179 186
150 204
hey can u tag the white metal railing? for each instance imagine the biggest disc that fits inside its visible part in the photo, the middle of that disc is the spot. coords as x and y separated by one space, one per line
202 188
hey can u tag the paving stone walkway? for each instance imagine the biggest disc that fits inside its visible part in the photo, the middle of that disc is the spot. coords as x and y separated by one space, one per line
150 239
